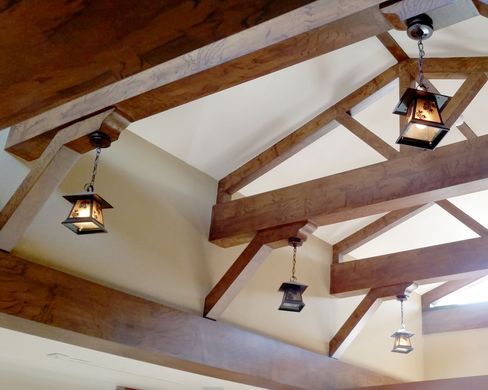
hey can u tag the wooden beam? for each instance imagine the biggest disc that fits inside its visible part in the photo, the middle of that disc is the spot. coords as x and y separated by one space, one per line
473 382
482 6
450 68
392 46
466 130
247 264
463 97
373 230
356 321
120 39
306 134
363 133
459 214
310 31
445 289
399 183
42 301
455 260
455 318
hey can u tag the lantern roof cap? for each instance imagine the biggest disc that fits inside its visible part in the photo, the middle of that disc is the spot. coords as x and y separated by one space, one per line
286 285
88 195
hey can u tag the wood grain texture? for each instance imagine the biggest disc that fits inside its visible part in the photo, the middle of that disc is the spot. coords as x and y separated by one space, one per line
244 268
444 289
435 263
450 68
366 135
473 382
455 318
394 184
373 230
392 46
54 51
71 306
285 41
306 134
358 318
459 214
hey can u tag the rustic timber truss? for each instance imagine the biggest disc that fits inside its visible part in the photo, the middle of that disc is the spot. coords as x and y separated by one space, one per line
51 128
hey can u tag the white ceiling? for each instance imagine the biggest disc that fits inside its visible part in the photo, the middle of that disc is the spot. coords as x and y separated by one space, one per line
29 362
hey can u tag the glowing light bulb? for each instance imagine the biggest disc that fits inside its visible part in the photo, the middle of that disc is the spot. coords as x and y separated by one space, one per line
420 127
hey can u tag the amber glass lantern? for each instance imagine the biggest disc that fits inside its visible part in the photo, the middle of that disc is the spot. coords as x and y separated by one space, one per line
402 336
86 215
292 290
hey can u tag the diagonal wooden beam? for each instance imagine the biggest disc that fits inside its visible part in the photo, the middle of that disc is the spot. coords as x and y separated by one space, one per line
239 273
373 230
362 132
392 46
357 320
45 302
482 6
455 318
403 182
459 214
445 289
306 134
455 260
466 130
307 32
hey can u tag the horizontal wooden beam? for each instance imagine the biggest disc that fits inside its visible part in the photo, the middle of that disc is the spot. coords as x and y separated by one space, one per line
356 321
445 289
455 318
294 37
472 382
80 312
395 184
451 68
373 230
243 269
455 260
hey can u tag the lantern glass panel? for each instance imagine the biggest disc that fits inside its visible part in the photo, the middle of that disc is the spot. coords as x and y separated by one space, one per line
402 343
86 216
292 296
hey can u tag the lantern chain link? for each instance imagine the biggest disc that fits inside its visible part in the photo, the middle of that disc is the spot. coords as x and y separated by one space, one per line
420 45
293 269
90 187
401 308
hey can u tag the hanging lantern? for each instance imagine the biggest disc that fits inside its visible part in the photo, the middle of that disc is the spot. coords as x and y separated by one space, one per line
425 127
402 336
86 215
292 290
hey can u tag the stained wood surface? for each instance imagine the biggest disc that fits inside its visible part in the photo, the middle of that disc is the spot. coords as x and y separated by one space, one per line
444 289
482 6
54 51
459 214
466 130
358 318
431 264
392 46
451 68
455 318
473 382
159 334
373 230
287 41
395 184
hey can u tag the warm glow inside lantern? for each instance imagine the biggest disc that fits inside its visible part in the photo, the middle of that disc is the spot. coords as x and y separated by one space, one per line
402 343
292 296
86 215
425 127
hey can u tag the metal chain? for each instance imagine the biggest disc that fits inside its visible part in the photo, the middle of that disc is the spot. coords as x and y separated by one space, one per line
293 268
401 306
90 187
420 45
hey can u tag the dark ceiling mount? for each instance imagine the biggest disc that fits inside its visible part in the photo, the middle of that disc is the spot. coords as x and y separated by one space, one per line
100 139
420 27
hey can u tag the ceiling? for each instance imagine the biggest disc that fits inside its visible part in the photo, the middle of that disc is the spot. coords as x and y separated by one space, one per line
219 133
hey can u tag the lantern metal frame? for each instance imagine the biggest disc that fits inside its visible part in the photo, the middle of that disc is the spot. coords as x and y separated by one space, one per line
402 333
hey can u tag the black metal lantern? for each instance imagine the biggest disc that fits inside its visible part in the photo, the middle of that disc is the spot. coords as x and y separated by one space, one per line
292 290
425 127
402 336
86 215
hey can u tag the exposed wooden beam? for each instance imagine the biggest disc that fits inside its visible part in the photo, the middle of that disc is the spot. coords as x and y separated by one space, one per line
463 97
306 134
392 46
455 260
373 230
445 289
466 130
310 31
451 68
459 214
399 183
482 6
370 138
43 301
356 321
247 264
472 382
120 39
455 318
